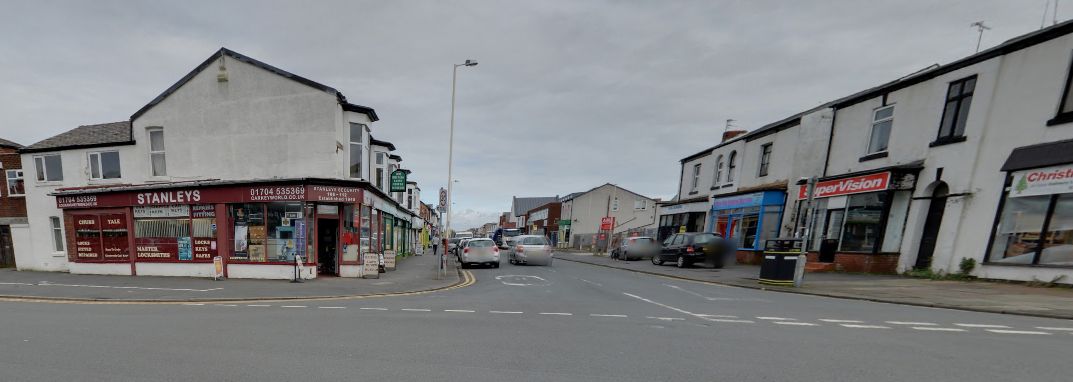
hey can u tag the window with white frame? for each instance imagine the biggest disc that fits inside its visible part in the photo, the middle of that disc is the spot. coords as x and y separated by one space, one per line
104 165
731 165
718 176
696 178
156 152
882 119
49 168
57 233
640 204
356 130
380 170
614 204
15 184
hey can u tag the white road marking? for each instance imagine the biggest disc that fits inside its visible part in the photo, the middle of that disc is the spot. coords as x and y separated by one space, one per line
668 307
717 315
1054 328
666 318
17 284
416 310
226 305
911 323
608 315
46 283
932 328
1017 332
797 323
373 308
293 306
591 282
776 318
195 304
458 310
557 314
983 326
841 321
500 278
504 312
331 307
729 320
687 291
259 305
865 326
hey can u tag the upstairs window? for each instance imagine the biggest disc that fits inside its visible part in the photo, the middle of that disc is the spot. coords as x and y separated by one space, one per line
640 204
49 168
718 171
614 204
956 111
156 152
765 159
882 119
104 165
731 165
356 130
696 178
15 185
1065 106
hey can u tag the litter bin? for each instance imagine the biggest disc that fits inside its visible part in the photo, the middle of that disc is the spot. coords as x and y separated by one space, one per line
779 265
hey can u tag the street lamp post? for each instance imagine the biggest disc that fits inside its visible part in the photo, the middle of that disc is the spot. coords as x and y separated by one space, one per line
451 148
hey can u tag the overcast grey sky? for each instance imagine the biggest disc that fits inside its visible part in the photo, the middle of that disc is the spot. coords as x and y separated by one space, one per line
568 94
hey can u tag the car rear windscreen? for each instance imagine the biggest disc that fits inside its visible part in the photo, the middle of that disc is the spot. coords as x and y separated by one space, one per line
480 243
534 241
512 232
703 238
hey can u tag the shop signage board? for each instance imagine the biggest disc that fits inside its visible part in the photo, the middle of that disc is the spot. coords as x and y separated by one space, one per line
389 260
398 180
170 211
217 267
204 248
87 237
848 186
115 246
370 265
738 201
334 194
607 223
564 222
198 211
156 249
209 195
1043 181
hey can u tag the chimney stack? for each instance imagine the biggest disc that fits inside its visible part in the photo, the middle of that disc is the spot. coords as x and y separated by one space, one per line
730 134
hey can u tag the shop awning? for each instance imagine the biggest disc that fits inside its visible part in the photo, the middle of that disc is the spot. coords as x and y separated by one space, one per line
1041 155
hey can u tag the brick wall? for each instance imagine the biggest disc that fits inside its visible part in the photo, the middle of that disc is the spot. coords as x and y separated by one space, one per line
883 263
10 207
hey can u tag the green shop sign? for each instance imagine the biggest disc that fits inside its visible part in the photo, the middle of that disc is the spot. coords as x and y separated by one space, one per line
398 180
564 222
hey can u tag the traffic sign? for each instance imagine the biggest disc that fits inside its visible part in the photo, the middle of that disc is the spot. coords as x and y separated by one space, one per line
443 196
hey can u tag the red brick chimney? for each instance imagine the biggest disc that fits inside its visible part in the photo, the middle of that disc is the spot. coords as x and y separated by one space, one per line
730 134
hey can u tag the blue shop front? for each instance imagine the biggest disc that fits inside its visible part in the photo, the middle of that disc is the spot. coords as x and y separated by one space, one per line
748 219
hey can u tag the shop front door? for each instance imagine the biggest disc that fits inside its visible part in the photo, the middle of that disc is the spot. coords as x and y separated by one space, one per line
327 246
931 227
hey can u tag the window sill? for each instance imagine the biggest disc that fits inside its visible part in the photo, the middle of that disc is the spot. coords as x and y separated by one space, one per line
17 196
59 254
727 185
947 140
1061 119
872 156
693 192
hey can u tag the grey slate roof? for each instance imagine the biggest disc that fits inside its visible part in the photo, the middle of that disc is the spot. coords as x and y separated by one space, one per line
7 143
570 196
523 205
105 134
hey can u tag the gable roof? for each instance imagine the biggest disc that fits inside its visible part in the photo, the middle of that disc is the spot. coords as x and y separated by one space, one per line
10 144
577 194
104 134
277 71
523 205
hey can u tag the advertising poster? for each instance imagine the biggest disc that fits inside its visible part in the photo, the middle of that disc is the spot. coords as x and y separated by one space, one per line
186 253
241 243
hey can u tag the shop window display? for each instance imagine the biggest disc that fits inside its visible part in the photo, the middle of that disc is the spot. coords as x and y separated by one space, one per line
860 231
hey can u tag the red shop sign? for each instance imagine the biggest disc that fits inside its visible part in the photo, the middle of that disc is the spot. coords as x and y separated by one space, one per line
607 223
114 237
847 186
156 249
204 248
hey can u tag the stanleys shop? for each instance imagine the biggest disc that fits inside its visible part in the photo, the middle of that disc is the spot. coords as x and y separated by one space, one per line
259 229
858 219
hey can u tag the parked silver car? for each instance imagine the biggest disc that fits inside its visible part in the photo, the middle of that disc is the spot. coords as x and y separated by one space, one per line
479 251
530 249
636 248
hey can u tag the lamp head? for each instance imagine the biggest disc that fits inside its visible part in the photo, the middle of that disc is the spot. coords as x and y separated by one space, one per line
470 63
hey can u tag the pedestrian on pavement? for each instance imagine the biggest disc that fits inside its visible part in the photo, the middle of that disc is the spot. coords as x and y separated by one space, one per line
435 245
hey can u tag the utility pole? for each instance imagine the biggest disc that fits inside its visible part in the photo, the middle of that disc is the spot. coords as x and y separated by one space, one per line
981 28
451 151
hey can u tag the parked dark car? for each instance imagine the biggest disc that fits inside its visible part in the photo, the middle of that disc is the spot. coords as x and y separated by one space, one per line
638 247
686 249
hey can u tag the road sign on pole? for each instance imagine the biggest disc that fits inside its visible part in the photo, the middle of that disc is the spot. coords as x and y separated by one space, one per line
443 196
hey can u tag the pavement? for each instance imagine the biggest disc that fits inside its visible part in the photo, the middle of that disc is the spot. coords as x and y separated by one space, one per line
412 274
565 322
982 296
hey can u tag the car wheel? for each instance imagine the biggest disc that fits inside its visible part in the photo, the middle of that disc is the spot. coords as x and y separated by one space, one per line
656 260
496 265
511 261
681 263
464 265
625 256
